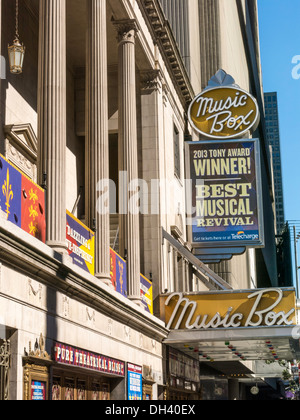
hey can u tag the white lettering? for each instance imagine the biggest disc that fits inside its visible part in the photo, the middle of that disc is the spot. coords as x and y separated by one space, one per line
232 122
259 314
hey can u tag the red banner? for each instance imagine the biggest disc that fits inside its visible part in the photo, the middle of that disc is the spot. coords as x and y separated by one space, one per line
33 209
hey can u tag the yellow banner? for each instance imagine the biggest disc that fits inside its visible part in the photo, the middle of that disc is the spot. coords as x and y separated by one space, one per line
81 244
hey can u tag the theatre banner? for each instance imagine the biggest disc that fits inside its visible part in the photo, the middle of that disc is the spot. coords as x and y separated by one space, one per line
81 244
118 273
224 193
147 294
22 201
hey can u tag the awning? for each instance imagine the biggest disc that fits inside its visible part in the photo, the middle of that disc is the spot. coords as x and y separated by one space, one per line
243 344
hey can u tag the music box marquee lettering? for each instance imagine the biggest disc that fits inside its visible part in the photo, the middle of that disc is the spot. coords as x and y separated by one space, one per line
185 314
223 111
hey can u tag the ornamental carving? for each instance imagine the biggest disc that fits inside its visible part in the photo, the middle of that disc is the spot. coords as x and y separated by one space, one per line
126 30
39 349
34 289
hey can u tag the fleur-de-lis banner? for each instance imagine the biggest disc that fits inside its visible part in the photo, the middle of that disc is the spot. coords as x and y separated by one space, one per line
10 192
22 200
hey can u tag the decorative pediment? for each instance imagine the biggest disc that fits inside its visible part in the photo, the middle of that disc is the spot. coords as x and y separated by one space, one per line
21 146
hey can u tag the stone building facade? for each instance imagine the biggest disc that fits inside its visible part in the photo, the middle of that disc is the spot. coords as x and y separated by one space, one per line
103 96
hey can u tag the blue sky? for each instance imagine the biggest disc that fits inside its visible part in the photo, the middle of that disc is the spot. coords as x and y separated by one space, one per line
279 22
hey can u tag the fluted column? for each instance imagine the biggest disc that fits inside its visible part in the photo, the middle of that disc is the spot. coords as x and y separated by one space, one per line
97 146
210 39
128 155
52 117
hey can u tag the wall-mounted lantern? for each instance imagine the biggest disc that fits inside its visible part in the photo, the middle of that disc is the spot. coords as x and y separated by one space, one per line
16 51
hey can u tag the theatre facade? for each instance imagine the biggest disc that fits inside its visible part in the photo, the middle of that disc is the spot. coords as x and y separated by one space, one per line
137 243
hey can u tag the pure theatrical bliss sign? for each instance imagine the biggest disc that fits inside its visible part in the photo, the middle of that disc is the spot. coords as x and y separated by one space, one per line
224 112
225 194
73 356
255 308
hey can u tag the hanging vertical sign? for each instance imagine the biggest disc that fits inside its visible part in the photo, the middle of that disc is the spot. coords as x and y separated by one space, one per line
10 194
147 294
80 244
22 201
225 193
118 273
33 209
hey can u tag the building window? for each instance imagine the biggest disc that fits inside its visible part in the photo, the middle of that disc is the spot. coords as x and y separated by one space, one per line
177 168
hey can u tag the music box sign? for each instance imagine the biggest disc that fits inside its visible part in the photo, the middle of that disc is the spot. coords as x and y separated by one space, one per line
255 308
224 111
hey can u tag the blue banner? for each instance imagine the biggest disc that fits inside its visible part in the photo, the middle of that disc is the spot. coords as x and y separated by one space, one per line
10 194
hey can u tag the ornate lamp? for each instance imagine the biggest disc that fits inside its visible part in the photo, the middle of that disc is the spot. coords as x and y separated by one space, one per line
16 51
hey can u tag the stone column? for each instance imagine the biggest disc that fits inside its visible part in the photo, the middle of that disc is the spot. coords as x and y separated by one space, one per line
210 39
52 117
152 141
97 145
128 155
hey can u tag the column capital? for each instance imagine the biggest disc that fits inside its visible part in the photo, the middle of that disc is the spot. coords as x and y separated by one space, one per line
126 30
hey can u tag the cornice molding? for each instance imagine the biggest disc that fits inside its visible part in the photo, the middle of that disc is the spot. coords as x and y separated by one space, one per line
162 35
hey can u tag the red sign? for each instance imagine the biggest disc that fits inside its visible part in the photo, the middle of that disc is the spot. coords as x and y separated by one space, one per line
73 356
33 209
